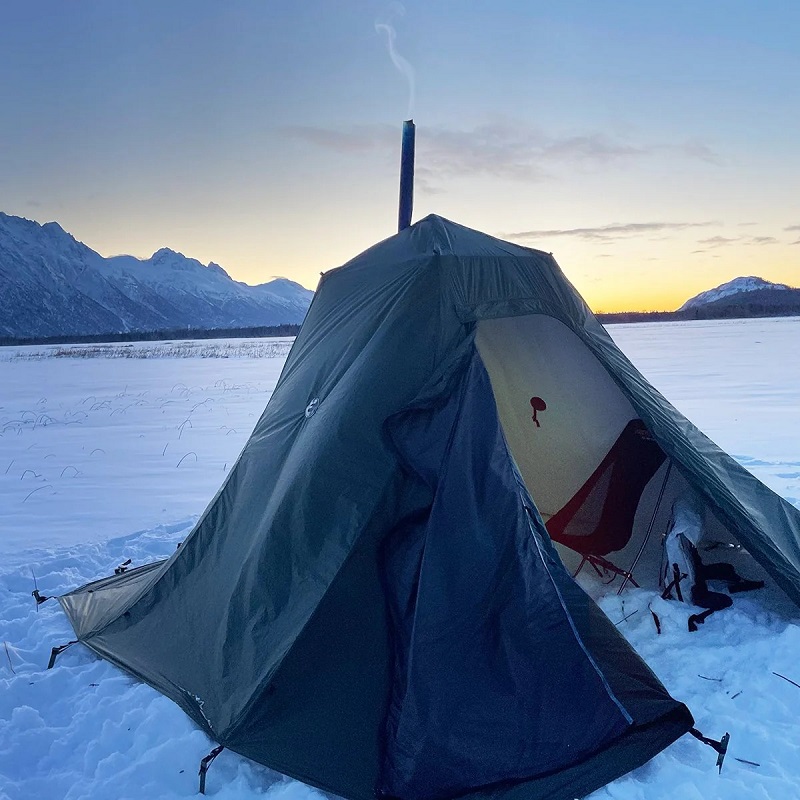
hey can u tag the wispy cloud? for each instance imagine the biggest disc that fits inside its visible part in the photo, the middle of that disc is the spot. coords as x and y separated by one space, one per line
501 149
719 241
353 140
793 228
606 233
696 149
724 241
423 180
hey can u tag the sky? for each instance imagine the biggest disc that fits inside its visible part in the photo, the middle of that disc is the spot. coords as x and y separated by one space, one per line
652 147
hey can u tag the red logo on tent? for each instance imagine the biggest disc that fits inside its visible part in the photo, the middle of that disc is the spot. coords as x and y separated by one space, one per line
537 404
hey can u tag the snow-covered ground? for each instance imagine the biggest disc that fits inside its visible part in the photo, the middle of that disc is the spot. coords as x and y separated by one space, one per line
100 440
111 453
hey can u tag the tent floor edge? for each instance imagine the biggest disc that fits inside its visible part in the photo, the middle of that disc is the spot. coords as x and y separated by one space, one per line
630 751
633 749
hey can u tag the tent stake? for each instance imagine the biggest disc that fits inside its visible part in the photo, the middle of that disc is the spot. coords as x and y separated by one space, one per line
721 746
39 598
205 763
56 651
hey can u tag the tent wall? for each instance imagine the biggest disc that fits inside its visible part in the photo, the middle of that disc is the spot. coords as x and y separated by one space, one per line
537 355
322 714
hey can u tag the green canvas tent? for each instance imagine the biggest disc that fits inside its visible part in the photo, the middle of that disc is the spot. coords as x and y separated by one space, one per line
372 603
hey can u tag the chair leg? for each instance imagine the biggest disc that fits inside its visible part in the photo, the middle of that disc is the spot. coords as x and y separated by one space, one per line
580 567
608 566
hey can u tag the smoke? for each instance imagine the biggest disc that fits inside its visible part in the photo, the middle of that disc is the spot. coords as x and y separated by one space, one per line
400 63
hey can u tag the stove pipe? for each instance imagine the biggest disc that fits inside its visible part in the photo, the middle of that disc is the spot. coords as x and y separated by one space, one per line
406 176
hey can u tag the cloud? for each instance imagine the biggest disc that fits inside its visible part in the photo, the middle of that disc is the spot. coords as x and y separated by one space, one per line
793 228
606 233
695 149
353 140
423 182
719 241
594 147
499 149
723 241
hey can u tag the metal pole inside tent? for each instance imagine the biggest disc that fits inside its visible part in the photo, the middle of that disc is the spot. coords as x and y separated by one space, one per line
406 175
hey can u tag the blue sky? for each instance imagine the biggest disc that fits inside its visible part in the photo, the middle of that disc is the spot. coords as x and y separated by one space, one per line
652 147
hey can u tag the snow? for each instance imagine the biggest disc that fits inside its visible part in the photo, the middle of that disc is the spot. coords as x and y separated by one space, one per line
87 730
123 431
751 283
737 380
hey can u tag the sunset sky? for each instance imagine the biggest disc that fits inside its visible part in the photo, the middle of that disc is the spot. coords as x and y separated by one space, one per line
652 147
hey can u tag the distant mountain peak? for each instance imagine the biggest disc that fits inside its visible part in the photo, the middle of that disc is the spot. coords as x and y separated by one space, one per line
166 254
748 283
217 268
53 227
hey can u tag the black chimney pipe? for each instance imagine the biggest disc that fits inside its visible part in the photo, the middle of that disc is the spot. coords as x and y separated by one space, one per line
406 176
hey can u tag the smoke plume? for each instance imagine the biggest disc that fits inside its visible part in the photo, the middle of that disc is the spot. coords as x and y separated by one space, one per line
400 63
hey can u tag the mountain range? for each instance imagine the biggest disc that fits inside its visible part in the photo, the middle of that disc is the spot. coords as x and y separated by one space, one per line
53 285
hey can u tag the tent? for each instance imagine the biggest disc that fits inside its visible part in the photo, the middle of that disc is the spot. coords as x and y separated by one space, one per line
372 603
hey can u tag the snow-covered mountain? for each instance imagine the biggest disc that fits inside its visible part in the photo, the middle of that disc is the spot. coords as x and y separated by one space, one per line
53 285
737 286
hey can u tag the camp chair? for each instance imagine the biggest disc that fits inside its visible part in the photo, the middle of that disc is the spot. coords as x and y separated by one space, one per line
598 520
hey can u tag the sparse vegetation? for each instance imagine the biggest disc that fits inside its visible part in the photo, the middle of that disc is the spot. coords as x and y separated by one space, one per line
257 348
263 332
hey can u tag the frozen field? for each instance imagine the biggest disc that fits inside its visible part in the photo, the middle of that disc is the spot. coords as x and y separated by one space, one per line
98 441
111 452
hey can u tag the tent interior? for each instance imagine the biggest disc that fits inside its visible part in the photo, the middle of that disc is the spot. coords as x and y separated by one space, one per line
601 484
